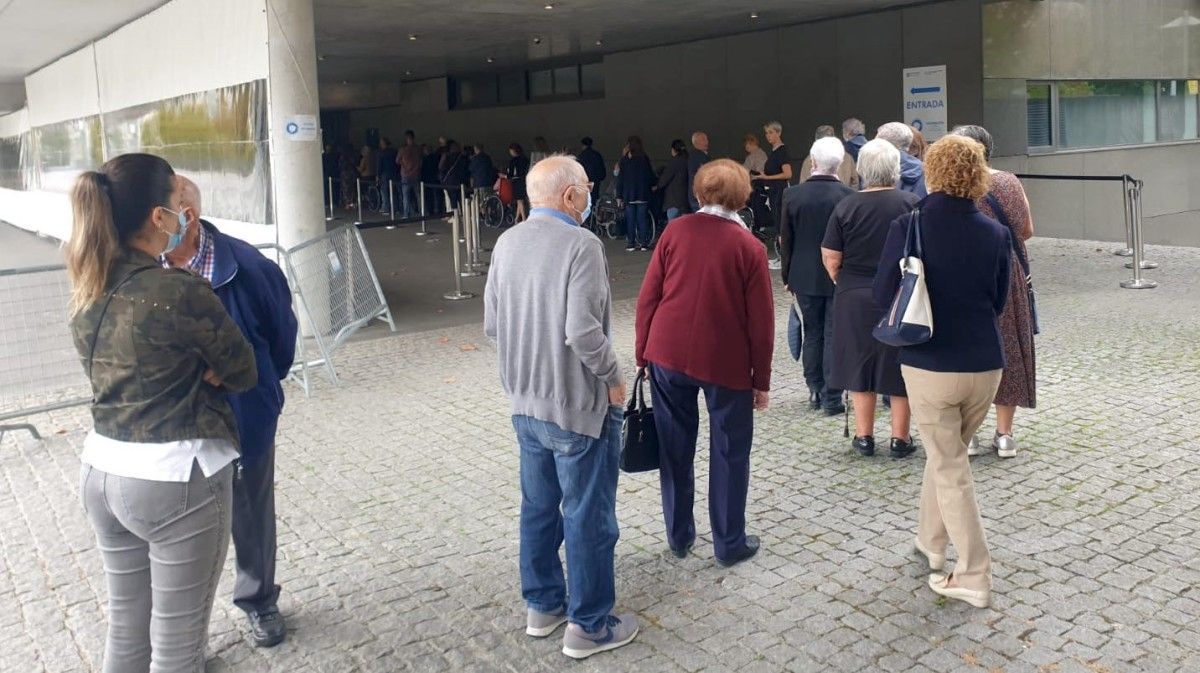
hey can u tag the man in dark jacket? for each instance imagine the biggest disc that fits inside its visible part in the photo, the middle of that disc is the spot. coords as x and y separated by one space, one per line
483 171
853 133
388 170
255 293
803 219
696 159
593 165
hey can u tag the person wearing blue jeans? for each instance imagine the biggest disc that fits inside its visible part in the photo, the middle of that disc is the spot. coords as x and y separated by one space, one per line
566 387
637 225
560 468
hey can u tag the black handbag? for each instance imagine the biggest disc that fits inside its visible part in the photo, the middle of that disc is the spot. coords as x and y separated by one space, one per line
1016 246
639 438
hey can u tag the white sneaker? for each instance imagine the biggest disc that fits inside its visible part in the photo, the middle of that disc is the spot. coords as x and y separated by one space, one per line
936 561
980 598
974 449
1006 446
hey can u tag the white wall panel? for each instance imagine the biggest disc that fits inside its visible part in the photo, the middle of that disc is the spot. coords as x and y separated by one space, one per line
183 47
14 123
65 89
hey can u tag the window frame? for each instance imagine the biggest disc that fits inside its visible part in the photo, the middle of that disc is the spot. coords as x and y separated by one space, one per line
1055 146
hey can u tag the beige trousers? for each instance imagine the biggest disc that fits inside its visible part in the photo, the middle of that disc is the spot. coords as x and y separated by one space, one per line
949 407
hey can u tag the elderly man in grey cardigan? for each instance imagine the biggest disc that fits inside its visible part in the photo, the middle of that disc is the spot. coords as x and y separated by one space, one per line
548 307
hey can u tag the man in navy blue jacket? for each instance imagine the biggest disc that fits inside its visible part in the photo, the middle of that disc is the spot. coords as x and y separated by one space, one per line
255 293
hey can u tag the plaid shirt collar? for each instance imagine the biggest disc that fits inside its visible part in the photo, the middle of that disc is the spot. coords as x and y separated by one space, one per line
203 262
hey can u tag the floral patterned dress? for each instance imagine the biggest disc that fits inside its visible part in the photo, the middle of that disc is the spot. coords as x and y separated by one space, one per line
1018 386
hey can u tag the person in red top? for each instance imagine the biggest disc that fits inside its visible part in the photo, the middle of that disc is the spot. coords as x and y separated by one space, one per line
706 321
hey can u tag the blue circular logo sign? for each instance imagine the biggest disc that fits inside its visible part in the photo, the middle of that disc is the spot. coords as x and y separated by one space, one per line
292 128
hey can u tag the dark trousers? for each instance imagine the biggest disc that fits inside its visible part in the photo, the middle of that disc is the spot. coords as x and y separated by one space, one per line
816 351
254 533
731 431
637 224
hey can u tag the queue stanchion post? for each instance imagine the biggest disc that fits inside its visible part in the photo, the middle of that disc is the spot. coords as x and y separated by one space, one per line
468 238
458 294
391 203
1127 251
424 215
1137 282
331 217
1139 242
358 190
476 260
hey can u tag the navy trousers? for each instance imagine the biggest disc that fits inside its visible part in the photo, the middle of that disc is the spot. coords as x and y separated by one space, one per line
731 430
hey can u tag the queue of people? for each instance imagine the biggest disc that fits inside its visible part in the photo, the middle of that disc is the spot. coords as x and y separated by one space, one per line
185 334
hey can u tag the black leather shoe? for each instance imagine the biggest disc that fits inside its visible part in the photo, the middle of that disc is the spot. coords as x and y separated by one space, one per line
681 552
864 445
267 628
835 410
903 449
751 548
814 400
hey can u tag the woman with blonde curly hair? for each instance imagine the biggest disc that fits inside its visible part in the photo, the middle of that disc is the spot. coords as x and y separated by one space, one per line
952 378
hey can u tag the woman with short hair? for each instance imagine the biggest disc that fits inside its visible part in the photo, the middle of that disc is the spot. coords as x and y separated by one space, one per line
518 168
706 321
162 354
635 178
756 158
1007 204
952 378
861 364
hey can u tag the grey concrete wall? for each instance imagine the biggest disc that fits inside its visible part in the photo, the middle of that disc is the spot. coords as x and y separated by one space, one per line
1094 39
803 76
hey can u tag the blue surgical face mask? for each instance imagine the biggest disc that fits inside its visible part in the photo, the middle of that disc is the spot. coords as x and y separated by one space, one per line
173 240
587 212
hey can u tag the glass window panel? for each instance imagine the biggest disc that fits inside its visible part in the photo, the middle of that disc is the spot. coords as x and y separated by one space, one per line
566 81
1177 114
1104 113
541 83
1038 114
592 78
512 88
478 90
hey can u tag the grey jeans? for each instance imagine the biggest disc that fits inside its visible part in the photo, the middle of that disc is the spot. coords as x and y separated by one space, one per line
163 545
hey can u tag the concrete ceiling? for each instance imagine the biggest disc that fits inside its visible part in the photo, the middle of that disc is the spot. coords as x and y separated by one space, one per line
35 33
369 40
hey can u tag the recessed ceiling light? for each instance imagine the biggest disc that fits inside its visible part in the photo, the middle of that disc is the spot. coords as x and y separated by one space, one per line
549 6
345 81
537 40
599 43
407 72
412 37
320 57
753 15
491 60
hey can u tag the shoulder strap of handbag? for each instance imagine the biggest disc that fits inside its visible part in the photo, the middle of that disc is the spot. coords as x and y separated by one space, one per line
912 239
1003 218
104 311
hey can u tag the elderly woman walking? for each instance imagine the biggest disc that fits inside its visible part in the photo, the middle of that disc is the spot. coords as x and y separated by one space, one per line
1006 203
853 242
952 378
706 321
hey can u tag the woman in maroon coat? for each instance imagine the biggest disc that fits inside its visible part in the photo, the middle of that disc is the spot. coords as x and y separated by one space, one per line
706 321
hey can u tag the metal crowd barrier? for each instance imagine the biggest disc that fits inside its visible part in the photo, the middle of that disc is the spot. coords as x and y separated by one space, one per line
39 367
1135 247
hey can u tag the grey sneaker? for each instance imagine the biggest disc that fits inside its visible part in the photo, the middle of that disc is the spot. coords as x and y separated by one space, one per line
542 624
974 449
1006 446
618 631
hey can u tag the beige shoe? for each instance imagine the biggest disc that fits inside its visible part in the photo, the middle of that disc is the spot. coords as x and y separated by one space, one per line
980 598
936 561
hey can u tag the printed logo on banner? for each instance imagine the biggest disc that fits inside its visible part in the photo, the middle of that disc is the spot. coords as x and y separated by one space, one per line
300 127
925 100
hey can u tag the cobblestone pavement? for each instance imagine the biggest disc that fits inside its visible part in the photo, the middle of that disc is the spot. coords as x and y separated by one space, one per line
398 501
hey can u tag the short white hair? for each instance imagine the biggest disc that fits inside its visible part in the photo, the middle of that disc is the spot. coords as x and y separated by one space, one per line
896 133
773 126
879 164
550 177
827 154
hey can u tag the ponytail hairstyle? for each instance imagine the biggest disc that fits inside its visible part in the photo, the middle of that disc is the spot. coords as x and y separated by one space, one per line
110 207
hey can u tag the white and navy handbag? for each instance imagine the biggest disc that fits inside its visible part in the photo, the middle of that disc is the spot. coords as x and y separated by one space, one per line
909 320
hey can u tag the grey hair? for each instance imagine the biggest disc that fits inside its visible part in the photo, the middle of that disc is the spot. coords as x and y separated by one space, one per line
773 126
550 177
824 131
879 164
853 127
977 133
827 154
896 133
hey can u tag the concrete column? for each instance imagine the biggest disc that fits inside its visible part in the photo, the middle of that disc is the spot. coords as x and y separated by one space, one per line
292 92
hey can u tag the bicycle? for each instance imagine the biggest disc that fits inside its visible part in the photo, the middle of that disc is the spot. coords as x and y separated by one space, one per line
609 216
494 213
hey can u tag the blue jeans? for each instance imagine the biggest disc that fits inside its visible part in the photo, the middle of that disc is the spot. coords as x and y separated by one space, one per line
637 225
569 491
385 193
408 195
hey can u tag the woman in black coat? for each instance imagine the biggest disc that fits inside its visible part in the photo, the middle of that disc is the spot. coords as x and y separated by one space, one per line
635 180
672 184
518 168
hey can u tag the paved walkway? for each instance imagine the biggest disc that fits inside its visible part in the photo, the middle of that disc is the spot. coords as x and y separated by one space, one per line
398 501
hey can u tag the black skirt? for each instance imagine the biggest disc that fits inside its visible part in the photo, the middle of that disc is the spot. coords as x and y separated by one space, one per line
861 363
